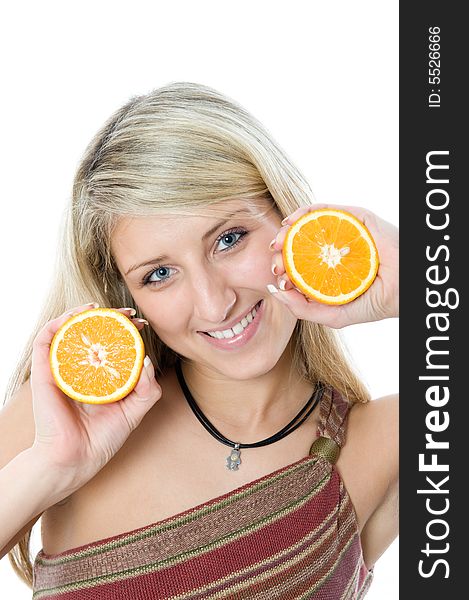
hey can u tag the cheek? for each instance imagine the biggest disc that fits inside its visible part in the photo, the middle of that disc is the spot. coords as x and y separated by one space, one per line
165 316
255 266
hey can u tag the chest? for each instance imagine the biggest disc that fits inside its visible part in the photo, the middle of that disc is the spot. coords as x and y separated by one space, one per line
161 472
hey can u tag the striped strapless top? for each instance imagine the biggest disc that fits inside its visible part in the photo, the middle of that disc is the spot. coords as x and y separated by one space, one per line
288 535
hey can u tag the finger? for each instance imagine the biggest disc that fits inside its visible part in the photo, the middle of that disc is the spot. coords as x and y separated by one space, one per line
144 383
292 298
310 310
40 370
303 210
278 268
284 283
139 323
276 244
357 211
78 309
145 394
129 312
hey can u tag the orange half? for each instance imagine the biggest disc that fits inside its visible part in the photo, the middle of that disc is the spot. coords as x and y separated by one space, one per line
330 256
97 356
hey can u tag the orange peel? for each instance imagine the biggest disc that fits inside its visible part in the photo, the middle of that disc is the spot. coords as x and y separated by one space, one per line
330 256
96 357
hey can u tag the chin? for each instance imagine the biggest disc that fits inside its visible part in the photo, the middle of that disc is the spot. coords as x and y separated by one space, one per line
246 368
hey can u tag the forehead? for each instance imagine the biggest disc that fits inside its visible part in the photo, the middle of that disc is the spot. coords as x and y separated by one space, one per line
134 237
198 219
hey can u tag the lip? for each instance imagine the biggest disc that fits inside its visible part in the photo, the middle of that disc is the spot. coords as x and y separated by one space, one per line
242 338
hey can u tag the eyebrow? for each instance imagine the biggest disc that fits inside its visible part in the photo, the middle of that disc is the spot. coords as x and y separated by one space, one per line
207 234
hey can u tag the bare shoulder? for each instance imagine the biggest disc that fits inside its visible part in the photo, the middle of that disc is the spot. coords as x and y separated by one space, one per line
376 424
369 465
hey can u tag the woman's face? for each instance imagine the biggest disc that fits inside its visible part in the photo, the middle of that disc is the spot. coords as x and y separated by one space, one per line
193 275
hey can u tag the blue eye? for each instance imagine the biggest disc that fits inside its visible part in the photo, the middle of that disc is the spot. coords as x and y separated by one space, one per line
231 238
161 272
159 275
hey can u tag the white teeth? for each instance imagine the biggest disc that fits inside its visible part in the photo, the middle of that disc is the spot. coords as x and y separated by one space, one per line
216 334
236 329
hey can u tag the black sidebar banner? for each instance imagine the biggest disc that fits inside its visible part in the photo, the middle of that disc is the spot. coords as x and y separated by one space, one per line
434 427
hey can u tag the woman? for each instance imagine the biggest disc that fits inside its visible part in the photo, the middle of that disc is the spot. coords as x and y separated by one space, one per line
175 206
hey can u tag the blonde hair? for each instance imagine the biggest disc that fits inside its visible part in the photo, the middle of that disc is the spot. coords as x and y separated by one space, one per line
176 150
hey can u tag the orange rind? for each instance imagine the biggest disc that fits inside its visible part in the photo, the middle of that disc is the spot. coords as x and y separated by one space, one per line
330 256
96 357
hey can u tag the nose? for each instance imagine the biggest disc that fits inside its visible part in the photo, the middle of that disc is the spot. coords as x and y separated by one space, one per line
213 298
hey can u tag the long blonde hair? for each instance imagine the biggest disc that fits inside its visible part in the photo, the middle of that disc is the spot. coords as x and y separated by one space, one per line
178 149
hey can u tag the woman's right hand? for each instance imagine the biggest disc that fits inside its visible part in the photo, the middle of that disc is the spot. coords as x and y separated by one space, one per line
76 438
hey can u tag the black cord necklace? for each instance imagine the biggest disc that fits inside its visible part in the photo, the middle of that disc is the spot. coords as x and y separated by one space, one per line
234 459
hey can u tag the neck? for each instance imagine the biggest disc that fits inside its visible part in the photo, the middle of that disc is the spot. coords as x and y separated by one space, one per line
250 409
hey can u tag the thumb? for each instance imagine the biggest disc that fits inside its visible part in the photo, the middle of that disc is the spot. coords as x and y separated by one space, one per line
144 395
147 388
297 303
308 309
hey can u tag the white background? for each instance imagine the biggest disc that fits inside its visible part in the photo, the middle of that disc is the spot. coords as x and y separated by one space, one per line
321 76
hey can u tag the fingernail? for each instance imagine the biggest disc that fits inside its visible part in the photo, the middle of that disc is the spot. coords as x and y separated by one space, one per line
271 245
93 304
142 321
274 269
132 311
282 284
147 362
272 289
284 222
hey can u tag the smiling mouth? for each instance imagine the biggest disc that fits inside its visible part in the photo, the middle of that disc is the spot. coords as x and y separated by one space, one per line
236 329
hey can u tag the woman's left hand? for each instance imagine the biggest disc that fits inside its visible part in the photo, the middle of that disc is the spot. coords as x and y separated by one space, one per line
381 299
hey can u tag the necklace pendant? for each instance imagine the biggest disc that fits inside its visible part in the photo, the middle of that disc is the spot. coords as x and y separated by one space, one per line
234 459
